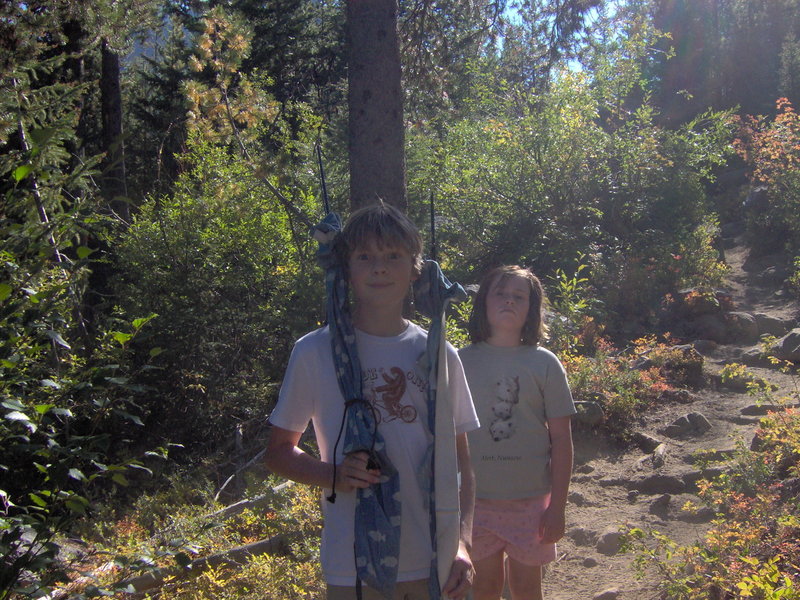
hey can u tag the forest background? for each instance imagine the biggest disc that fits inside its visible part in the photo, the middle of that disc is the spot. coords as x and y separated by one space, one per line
160 163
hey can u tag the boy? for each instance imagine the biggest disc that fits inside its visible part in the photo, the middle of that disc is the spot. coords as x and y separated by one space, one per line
382 251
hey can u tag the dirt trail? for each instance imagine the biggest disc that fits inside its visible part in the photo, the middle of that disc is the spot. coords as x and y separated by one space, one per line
612 487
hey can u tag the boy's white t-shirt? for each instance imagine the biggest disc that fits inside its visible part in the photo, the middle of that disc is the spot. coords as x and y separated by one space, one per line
396 386
515 391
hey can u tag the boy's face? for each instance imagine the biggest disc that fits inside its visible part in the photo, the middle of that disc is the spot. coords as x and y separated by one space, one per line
380 275
507 303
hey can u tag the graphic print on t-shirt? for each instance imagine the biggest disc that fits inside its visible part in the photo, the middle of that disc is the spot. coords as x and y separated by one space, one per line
503 425
385 390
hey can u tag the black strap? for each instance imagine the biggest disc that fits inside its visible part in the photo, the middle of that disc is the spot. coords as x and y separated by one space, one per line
433 230
332 497
347 405
359 593
322 178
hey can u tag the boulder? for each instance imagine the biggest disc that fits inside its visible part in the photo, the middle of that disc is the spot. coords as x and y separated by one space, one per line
687 366
705 346
582 536
589 413
693 423
645 441
609 542
659 484
788 347
677 396
699 422
772 325
710 327
753 357
741 327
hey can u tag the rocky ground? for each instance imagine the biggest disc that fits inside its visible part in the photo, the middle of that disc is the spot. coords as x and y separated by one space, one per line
614 487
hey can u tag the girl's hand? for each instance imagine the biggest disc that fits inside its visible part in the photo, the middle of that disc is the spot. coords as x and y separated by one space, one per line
552 525
352 473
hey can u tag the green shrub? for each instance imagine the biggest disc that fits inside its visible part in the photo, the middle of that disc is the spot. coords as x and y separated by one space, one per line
528 179
772 152
233 285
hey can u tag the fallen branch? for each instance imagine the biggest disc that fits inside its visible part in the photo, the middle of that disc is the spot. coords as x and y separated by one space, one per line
239 471
276 545
242 505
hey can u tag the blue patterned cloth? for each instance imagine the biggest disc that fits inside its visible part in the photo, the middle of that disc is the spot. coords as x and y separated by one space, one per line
378 508
432 293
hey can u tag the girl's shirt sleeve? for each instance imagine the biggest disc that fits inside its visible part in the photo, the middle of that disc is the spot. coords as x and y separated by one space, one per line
557 395
464 415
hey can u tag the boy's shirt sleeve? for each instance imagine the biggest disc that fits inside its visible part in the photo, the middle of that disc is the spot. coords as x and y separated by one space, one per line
297 395
464 415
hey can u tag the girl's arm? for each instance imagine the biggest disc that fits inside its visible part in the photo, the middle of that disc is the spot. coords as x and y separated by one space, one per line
553 521
467 491
462 572
285 458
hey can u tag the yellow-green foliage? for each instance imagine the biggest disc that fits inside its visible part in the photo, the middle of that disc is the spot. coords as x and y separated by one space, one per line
457 333
737 375
262 577
171 528
295 577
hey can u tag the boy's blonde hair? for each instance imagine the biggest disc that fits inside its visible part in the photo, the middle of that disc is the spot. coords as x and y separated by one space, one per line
384 225
534 329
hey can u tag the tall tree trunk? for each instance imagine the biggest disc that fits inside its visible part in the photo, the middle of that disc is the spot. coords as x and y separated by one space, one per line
111 107
375 100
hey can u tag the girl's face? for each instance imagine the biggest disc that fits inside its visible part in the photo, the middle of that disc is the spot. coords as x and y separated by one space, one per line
507 305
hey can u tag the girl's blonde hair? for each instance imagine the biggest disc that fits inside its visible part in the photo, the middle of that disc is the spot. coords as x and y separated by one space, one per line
534 329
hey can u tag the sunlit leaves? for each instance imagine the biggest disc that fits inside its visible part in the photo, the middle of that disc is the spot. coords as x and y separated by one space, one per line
225 105
771 148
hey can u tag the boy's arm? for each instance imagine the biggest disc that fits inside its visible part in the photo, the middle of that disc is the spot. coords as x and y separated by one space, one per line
462 572
553 521
287 459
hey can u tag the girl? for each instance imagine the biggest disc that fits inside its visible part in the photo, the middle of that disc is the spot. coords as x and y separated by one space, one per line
522 454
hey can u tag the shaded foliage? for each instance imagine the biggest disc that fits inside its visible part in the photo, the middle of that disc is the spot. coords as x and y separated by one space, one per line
68 391
736 53
538 178
233 287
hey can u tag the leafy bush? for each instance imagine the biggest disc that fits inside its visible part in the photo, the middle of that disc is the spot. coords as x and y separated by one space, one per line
624 384
233 286
794 278
572 327
536 180
69 384
772 151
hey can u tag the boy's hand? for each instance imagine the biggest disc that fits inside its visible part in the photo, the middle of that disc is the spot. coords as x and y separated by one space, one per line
352 473
462 574
552 525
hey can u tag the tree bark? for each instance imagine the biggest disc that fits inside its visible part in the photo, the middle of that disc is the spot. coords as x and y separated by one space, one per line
375 100
114 188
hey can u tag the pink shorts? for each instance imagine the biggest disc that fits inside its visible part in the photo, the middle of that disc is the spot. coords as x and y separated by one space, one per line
511 526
